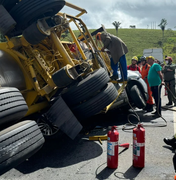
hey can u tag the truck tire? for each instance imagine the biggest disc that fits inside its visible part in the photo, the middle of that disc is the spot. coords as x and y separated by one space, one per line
63 77
96 103
19 142
33 35
7 23
26 12
137 97
85 88
8 4
12 105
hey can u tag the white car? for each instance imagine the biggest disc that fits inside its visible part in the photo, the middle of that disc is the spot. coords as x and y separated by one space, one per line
135 92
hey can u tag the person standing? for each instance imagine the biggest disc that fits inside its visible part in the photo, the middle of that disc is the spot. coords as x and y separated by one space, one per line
155 80
117 49
139 64
134 66
144 73
169 79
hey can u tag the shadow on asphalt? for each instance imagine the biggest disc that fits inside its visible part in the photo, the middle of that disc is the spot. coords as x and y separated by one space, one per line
131 173
62 151
105 173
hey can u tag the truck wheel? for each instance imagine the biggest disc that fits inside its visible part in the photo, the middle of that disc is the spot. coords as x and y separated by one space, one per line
47 128
33 35
137 97
26 12
12 105
8 4
85 88
63 77
96 103
7 23
18 143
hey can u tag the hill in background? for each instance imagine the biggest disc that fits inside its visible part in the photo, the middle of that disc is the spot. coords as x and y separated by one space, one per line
139 39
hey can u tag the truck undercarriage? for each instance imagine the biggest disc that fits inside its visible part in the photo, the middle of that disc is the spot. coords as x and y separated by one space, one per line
61 82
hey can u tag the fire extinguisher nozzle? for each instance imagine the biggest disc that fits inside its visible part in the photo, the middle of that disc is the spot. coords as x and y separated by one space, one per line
125 145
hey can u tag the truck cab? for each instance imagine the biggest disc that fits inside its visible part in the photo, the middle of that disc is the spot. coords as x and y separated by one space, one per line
157 53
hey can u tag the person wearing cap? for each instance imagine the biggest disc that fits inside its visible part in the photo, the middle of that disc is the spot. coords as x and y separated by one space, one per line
155 80
169 79
117 49
144 73
134 66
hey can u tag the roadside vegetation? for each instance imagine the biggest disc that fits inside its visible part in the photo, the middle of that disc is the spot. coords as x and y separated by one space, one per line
139 39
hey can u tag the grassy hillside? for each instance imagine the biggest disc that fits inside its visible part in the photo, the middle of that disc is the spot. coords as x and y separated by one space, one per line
139 39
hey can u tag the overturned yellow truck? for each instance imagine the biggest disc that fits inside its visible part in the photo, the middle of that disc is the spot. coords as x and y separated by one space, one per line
52 78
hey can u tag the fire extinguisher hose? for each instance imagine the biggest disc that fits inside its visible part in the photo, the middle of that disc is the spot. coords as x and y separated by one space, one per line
130 125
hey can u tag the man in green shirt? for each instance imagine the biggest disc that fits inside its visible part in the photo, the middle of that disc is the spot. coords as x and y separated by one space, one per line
169 79
155 79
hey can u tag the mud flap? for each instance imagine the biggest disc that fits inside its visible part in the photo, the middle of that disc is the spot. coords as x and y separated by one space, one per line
61 116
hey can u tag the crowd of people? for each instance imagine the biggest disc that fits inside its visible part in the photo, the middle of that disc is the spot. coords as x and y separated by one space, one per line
152 71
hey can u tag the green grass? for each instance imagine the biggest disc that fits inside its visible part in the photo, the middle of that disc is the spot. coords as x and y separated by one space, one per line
139 39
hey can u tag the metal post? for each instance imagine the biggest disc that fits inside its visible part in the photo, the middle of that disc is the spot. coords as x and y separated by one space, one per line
60 47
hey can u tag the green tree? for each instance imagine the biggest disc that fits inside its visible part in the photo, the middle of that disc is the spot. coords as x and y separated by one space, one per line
117 25
162 25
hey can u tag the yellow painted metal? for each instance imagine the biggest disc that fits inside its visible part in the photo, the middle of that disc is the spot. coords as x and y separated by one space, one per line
120 90
38 69
61 49
77 43
98 138
95 138
32 71
37 107
5 47
74 7
30 97
34 78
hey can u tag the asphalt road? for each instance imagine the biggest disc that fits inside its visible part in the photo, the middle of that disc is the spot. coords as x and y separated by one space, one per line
80 159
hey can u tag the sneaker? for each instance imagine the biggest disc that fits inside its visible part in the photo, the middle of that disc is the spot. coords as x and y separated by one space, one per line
170 142
169 103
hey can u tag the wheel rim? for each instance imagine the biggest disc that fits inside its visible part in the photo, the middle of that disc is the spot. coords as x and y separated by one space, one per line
47 130
46 127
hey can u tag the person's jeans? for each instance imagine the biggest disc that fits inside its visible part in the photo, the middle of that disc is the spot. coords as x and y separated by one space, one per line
123 67
156 93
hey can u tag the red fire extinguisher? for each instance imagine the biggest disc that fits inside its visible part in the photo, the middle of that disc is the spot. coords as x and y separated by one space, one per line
139 146
112 148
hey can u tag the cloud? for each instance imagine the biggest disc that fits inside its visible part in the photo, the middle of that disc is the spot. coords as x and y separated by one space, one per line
141 13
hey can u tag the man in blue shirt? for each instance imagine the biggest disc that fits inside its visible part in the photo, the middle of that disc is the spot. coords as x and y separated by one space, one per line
155 79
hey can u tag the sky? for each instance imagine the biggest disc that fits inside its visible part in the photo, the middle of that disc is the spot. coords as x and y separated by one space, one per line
144 14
